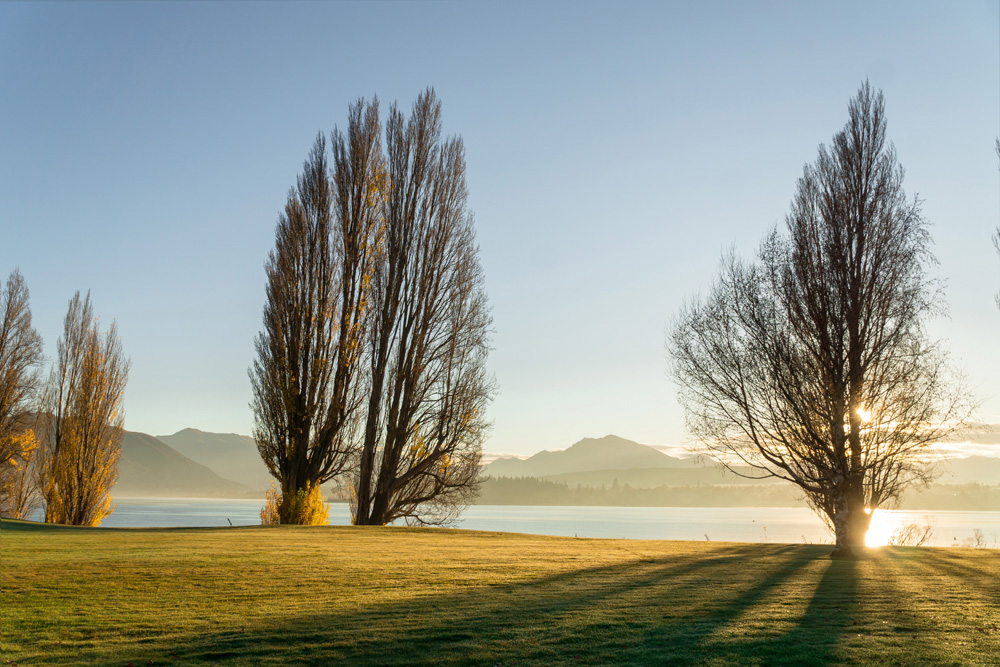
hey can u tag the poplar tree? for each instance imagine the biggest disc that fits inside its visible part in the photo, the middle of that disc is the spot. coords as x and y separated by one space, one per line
84 432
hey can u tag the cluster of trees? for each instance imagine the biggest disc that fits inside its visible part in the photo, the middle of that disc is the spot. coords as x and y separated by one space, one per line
370 366
813 362
60 439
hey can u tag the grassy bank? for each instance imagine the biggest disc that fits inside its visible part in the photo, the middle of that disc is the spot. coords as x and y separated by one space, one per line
357 596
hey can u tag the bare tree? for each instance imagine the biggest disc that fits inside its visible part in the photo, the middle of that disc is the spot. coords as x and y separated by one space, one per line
20 357
20 496
912 534
307 379
371 365
82 439
428 387
813 363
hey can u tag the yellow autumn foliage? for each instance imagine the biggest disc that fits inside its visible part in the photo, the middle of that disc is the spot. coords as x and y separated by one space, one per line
304 507
18 494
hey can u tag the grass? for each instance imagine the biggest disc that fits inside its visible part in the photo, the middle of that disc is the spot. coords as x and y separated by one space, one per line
398 596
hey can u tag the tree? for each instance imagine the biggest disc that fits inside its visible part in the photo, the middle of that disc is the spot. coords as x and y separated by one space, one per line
307 378
19 494
813 363
996 237
371 365
20 356
83 435
429 338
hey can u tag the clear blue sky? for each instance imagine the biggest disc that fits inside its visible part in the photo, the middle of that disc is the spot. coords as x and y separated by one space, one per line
614 151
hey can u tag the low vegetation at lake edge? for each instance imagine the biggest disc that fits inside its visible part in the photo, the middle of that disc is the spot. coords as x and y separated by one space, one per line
359 595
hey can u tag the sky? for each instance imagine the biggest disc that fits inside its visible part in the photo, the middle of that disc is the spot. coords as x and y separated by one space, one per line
614 152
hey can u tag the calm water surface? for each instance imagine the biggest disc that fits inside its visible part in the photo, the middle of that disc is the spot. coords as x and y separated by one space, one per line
739 524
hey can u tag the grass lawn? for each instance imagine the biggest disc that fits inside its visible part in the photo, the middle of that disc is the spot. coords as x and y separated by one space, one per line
398 596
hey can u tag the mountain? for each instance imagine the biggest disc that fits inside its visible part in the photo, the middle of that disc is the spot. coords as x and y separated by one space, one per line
234 456
150 467
607 453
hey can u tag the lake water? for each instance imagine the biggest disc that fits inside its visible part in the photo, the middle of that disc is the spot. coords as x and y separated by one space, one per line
738 524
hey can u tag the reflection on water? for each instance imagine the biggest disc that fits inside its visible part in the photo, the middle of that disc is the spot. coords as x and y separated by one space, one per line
737 524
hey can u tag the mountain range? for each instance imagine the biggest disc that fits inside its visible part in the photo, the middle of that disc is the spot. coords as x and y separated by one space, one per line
150 467
197 463
597 461
607 453
234 456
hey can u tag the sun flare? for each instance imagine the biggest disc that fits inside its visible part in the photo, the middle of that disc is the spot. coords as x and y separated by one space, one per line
880 530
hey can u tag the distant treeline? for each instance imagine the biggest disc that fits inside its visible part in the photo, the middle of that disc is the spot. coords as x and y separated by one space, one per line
534 491
958 497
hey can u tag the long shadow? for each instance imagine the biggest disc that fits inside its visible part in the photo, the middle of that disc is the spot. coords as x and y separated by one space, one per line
959 563
949 577
641 612
734 604
830 616
701 639
463 625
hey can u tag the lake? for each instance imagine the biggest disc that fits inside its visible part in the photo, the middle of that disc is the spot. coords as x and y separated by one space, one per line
738 524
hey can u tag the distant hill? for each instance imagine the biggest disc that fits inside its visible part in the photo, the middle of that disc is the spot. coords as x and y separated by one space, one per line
709 474
149 467
978 469
608 453
233 456
535 491
615 471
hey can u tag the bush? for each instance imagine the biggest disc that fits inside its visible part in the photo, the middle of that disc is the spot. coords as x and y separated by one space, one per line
305 507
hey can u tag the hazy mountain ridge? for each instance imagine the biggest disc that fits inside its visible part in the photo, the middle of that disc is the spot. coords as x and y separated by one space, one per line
589 454
596 472
150 467
198 463
231 455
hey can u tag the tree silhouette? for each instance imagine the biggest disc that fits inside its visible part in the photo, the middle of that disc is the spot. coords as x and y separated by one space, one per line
813 363
371 364
307 379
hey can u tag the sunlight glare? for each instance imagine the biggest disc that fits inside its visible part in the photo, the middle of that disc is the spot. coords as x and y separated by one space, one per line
866 415
880 529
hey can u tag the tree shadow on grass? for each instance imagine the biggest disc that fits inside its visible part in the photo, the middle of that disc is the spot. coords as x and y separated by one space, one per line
648 611
730 604
980 570
740 631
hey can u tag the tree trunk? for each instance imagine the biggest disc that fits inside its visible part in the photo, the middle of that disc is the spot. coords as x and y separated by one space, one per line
841 530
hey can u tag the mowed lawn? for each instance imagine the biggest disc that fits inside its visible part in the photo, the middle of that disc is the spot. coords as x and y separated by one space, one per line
398 596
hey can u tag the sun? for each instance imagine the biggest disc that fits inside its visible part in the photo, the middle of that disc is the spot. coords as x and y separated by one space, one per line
880 530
